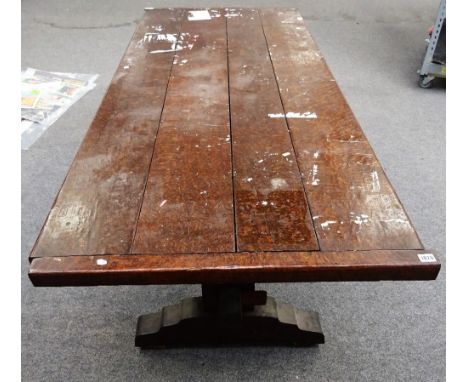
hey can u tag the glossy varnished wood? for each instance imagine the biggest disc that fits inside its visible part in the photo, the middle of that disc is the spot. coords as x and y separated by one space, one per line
353 203
161 193
242 267
97 207
271 209
187 205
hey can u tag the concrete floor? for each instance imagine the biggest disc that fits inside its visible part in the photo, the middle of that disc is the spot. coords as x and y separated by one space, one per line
387 331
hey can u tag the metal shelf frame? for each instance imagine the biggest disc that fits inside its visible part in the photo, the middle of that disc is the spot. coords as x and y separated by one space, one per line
430 69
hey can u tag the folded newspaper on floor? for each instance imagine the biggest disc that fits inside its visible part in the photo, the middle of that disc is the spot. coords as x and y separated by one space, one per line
45 96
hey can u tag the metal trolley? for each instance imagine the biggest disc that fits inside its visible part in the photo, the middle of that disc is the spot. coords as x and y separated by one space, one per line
434 64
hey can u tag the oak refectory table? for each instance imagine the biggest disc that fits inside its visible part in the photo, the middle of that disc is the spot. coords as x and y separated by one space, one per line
224 154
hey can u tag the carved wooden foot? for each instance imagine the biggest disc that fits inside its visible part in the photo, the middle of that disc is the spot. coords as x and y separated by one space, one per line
196 322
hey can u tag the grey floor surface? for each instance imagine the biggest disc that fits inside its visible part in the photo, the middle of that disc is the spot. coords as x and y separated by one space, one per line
386 331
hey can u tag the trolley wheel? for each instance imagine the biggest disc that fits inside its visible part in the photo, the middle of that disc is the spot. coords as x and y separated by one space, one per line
426 81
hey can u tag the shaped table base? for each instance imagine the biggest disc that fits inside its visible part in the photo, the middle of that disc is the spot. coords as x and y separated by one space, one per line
229 314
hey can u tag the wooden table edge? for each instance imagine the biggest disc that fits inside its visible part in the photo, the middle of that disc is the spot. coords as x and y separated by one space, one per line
242 267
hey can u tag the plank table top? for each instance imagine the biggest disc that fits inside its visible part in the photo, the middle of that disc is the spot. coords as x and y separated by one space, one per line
224 151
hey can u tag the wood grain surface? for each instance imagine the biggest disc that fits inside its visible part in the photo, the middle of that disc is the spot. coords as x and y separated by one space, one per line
98 205
353 203
239 267
224 151
187 205
271 210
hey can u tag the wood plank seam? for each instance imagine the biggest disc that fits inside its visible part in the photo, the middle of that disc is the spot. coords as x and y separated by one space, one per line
188 201
231 141
221 253
289 131
271 208
182 17
297 131
83 142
